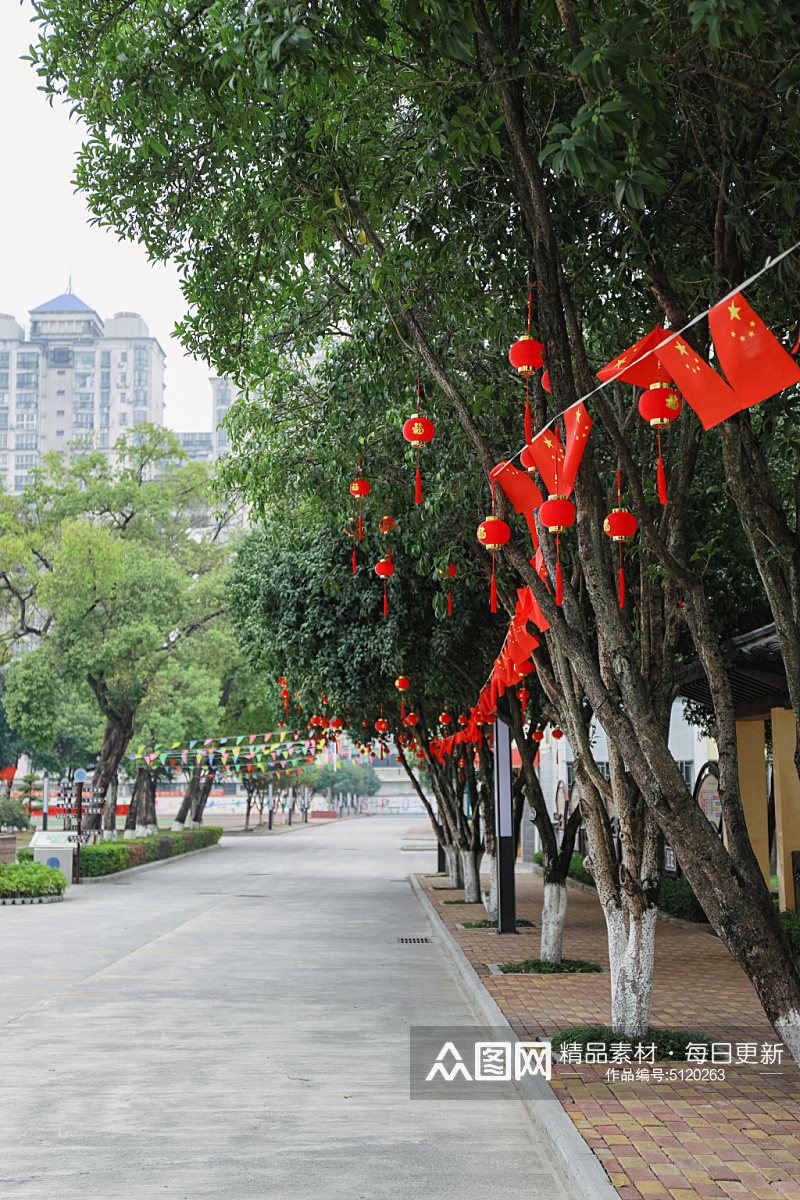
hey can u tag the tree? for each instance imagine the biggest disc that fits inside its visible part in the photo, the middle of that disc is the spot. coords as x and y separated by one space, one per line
102 568
554 145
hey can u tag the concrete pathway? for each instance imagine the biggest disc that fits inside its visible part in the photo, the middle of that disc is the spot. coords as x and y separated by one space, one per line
235 1026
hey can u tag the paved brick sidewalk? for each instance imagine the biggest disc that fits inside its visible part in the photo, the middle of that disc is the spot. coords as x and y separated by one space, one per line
738 1138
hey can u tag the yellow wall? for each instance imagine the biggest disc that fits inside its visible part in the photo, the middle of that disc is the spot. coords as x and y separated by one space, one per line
787 800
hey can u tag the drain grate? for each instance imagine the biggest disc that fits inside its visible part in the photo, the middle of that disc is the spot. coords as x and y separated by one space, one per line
413 941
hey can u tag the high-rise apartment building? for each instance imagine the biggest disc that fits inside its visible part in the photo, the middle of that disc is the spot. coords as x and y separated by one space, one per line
74 377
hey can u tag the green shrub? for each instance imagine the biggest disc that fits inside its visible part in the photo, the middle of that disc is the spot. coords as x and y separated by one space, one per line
676 897
105 858
24 854
669 1043
31 879
13 814
540 966
791 924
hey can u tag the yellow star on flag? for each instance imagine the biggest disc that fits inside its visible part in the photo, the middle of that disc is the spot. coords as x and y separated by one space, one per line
734 311
682 349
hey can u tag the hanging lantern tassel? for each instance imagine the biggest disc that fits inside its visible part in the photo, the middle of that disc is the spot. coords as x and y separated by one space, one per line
493 605
418 484
662 479
528 431
621 580
385 601
355 568
402 708
450 602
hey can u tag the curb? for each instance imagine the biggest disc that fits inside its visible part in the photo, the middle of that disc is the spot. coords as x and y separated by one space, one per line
577 1162
160 862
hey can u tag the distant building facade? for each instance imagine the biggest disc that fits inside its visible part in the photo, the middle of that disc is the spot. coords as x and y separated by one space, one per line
75 376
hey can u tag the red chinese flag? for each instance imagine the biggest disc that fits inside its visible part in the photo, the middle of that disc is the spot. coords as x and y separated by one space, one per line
755 363
705 390
577 424
644 373
548 454
521 491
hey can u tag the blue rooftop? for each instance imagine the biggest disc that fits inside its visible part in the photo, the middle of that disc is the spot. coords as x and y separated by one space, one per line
66 302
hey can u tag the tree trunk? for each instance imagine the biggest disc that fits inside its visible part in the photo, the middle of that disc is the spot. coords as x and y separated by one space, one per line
471 872
116 736
203 793
131 820
631 946
454 869
151 816
110 811
490 897
249 805
554 915
188 799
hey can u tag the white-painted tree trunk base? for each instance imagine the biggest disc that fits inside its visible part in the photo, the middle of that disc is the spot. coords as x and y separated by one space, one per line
177 826
128 835
109 835
453 866
152 830
631 947
470 869
788 1030
490 897
554 915
140 831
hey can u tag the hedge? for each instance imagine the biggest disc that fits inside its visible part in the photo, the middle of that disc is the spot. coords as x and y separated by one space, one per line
30 879
675 897
106 858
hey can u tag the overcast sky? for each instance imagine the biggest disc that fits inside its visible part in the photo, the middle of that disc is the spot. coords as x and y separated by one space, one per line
45 234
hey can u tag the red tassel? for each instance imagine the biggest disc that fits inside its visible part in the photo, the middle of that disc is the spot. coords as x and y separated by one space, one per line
528 433
621 587
450 603
493 605
559 587
402 708
360 526
385 602
355 568
662 479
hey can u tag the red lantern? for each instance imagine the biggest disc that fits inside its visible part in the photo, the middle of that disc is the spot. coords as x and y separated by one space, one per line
387 522
492 534
445 718
527 355
451 571
381 725
418 430
315 720
412 719
523 695
336 723
537 735
620 525
660 405
557 514
557 734
402 684
359 488
385 568
463 720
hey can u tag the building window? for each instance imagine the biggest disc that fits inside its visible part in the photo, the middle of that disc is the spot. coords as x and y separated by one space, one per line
105 399
27 379
59 412
3 420
60 356
5 358
83 420
27 362
140 356
83 400
140 379
105 359
104 440
26 400
84 358
123 398
604 769
21 482
3 441
104 418
59 432
3 399
140 396
139 415
26 441
3 381
123 418
3 461
83 380
123 358
105 379
686 768
25 420
24 462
